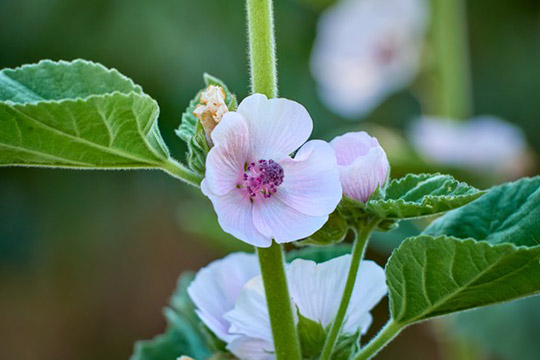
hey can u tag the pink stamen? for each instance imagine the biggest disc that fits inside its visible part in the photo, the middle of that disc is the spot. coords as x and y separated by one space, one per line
262 178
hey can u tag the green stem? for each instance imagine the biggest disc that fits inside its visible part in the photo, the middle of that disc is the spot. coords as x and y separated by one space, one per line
362 237
449 31
387 334
286 343
264 81
179 171
262 48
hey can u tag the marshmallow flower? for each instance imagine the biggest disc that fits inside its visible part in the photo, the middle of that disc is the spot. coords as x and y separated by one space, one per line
366 50
484 143
258 190
229 297
362 164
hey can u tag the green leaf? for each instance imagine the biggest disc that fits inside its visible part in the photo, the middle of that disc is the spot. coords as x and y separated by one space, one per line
312 336
509 213
192 132
319 254
184 334
429 276
415 196
78 115
332 232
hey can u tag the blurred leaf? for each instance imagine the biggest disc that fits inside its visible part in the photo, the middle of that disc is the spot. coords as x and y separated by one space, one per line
78 115
312 336
509 213
429 276
184 334
191 130
318 254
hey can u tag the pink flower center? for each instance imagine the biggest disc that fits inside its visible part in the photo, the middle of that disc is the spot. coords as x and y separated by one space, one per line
262 177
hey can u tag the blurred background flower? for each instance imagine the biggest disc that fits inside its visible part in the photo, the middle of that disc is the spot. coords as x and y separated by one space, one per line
88 259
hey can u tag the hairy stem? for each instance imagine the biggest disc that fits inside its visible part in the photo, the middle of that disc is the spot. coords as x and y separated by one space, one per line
449 31
264 81
387 334
362 237
286 343
179 171
262 48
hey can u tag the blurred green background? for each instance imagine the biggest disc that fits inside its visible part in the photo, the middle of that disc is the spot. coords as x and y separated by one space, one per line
88 259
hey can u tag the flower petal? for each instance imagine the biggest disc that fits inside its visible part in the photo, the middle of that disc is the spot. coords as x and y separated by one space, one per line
369 288
311 184
275 219
351 145
250 314
235 217
316 290
277 126
248 348
225 161
216 287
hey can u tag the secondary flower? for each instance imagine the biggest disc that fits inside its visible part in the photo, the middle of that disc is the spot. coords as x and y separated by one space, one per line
234 307
212 107
366 50
484 143
362 164
258 190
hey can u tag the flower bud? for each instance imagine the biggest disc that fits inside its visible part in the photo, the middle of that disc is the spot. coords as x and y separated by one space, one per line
362 164
212 107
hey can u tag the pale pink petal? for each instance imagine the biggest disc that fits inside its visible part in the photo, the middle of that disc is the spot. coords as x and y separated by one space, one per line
216 287
234 211
275 219
311 184
248 348
250 314
277 126
225 161
351 145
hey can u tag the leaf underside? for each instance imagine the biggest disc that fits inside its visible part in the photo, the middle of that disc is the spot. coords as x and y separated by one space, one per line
77 114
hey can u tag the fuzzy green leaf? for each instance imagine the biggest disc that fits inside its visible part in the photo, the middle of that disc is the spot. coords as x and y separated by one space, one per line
312 336
429 276
78 115
332 232
421 195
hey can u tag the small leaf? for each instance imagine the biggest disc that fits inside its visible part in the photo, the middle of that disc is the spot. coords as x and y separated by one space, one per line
183 336
332 232
413 196
312 336
192 132
319 254
429 276
78 115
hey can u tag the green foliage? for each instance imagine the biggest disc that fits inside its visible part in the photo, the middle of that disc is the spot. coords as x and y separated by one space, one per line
78 115
487 252
184 334
509 213
318 254
192 132
312 336
333 232
430 276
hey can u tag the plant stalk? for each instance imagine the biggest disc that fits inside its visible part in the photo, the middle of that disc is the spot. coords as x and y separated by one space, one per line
264 81
286 343
360 243
387 334
179 171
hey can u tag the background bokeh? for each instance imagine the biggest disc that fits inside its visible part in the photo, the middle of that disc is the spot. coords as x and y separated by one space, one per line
88 259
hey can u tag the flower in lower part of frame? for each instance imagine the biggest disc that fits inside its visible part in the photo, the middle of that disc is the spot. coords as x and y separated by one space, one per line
484 143
258 190
362 164
229 297
366 50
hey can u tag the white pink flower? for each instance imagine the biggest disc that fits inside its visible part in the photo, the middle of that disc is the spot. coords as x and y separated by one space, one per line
259 191
366 50
233 304
362 164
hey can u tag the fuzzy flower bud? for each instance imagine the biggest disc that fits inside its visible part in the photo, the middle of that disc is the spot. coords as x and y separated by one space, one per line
362 164
212 107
